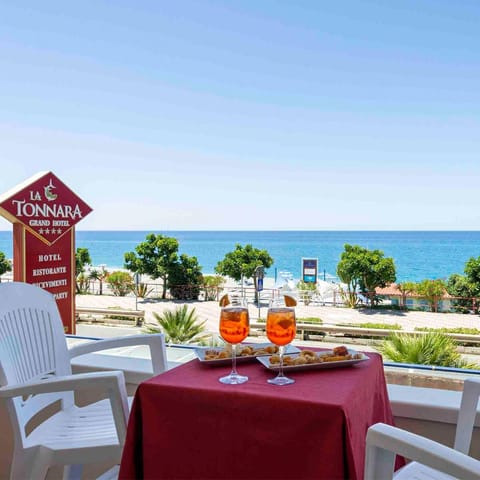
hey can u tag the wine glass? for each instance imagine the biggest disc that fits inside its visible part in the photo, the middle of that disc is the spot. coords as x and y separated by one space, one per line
234 328
281 329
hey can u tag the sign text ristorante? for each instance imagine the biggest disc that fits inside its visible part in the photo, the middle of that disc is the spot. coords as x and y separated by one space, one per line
44 212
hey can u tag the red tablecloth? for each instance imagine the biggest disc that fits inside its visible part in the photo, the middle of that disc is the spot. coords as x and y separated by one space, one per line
186 424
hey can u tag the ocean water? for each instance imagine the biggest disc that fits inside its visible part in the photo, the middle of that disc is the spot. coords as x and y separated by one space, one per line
417 255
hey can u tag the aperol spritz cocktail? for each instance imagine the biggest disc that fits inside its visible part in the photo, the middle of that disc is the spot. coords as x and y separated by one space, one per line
281 330
234 328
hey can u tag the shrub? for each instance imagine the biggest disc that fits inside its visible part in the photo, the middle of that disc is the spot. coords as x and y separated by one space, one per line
179 326
379 326
316 320
431 349
142 290
212 285
460 330
120 282
306 291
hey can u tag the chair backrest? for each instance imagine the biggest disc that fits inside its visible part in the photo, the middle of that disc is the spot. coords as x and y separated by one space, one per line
467 415
383 441
32 347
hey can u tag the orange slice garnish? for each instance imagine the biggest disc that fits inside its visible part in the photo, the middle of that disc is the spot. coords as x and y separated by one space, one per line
287 323
290 301
224 301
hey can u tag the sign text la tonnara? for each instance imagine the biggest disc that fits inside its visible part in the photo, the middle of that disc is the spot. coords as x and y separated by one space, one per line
45 210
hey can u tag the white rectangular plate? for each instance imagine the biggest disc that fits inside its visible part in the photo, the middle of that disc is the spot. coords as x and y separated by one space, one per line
200 352
265 361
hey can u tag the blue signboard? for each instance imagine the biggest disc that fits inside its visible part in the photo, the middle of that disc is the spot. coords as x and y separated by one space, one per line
309 270
259 284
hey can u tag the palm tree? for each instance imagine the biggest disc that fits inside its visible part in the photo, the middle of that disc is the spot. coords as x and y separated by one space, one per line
179 326
99 275
433 348
406 288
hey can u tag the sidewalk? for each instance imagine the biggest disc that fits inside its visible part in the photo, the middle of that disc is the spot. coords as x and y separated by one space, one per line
210 311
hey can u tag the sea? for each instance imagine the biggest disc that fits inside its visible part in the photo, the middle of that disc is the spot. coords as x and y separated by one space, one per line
417 255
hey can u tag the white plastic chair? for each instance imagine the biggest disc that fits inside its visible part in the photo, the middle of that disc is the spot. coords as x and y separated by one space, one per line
35 373
430 460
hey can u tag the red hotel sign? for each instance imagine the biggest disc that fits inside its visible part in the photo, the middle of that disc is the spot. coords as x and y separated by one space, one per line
44 212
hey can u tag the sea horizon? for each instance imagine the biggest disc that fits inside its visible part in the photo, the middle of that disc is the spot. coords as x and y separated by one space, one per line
2 230
417 254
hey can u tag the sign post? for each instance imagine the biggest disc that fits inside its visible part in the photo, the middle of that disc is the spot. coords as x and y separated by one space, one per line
137 282
44 212
259 274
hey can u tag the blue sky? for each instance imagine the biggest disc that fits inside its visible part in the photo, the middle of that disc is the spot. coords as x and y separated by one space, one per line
261 114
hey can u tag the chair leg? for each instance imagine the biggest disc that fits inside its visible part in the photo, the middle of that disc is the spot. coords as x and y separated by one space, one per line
111 474
72 472
31 465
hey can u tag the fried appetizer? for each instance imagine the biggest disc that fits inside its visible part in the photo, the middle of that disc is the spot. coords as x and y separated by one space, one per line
340 351
242 351
306 357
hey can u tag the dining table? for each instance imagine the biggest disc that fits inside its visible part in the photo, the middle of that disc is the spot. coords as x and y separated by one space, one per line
185 424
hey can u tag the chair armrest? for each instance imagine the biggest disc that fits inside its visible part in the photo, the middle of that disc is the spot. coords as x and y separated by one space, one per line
383 441
156 343
113 383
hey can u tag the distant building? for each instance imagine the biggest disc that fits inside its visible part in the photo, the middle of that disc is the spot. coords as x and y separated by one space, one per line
413 301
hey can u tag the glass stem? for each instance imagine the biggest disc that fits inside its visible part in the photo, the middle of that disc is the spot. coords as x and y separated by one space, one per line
280 353
234 359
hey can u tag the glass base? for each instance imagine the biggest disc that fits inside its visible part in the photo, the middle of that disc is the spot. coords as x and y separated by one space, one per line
280 380
233 379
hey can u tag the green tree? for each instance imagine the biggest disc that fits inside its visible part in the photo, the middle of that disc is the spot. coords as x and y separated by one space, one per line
5 265
460 286
120 282
472 271
242 263
432 291
156 257
82 258
185 278
364 270
430 349
406 288
467 286
179 326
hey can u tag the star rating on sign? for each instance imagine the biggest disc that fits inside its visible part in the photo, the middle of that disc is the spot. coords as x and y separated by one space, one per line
50 231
